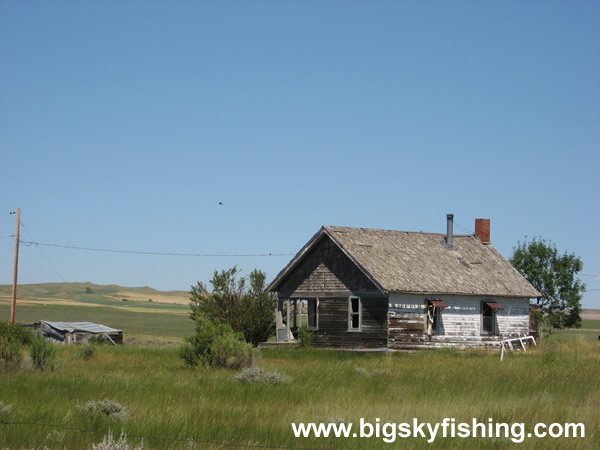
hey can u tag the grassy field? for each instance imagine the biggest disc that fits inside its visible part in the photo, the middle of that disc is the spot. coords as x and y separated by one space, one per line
141 321
556 382
138 325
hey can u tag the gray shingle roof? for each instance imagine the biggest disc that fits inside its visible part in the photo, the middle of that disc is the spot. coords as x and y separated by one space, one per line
410 262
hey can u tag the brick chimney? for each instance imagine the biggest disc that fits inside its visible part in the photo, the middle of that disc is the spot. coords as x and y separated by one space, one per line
482 230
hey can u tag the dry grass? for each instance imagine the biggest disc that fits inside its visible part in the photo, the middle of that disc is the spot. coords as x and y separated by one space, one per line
183 299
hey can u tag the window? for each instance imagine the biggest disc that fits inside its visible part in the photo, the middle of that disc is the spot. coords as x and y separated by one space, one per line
488 317
434 315
354 314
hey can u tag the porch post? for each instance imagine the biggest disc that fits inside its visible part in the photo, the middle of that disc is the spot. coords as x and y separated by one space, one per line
289 328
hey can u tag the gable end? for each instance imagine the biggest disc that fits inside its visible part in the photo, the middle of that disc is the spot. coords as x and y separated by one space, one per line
325 268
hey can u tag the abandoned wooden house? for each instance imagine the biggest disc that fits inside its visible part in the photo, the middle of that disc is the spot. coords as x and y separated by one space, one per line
368 288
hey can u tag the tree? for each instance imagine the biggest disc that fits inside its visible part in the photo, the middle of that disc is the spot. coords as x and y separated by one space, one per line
240 302
554 275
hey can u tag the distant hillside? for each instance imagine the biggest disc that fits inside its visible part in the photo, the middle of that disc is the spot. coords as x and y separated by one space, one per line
590 314
61 293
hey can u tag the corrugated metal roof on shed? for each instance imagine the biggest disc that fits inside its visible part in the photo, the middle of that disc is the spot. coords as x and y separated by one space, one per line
87 327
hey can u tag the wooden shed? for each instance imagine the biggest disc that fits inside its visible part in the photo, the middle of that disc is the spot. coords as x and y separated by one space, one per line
76 332
370 288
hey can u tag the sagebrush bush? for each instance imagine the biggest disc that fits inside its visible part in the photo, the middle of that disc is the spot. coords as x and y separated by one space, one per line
216 344
87 352
259 375
106 407
42 353
375 372
55 437
381 372
108 443
5 409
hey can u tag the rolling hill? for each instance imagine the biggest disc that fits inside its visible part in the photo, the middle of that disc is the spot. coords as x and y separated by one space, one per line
139 311
87 293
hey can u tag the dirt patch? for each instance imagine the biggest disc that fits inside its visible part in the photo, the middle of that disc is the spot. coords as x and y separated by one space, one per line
590 314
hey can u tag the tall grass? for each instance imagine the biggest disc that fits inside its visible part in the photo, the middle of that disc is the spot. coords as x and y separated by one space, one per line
556 382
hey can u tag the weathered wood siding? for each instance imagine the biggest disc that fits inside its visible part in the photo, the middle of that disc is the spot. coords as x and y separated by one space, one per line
460 322
333 324
325 269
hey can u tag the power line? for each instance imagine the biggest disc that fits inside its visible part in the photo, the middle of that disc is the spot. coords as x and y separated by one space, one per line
463 228
136 252
438 223
43 254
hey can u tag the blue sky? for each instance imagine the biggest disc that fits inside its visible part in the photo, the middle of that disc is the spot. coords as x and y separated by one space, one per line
124 124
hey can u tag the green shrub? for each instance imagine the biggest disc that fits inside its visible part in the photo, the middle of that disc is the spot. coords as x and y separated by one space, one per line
98 339
232 352
42 354
15 333
198 348
10 354
240 302
258 375
87 352
305 337
101 408
216 344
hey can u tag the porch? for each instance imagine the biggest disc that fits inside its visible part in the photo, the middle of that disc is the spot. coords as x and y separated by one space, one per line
293 313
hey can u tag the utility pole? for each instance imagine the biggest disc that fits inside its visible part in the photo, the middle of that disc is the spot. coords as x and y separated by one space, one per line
13 311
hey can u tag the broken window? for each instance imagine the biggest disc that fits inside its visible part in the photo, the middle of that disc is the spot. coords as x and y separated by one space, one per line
434 315
488 317
306 313
354 313
301 309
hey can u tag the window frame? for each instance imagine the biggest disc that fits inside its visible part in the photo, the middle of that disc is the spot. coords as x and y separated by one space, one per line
494 331
435 326
351 313
303 312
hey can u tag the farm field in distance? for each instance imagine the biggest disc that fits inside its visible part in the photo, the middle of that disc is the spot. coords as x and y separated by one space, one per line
162 319
175 407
